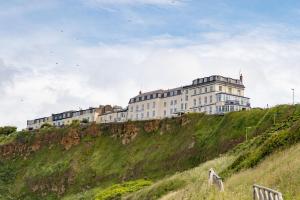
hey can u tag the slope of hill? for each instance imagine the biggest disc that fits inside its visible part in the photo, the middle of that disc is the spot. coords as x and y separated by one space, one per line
279 171
271 160
100 161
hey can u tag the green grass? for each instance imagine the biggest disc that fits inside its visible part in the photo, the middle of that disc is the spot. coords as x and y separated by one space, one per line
101 160
187 184
280 171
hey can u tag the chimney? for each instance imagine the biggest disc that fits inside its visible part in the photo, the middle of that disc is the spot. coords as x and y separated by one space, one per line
140 92
241 78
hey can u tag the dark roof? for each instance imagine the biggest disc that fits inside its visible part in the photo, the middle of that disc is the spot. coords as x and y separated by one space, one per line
216 78
156 94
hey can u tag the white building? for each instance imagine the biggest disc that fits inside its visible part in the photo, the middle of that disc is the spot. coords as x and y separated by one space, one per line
38 123
118 114
212 95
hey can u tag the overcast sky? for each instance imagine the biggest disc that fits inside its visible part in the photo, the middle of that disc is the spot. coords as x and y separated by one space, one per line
58 55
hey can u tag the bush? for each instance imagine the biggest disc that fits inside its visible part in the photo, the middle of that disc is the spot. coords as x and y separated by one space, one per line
116 191
85 121
46 125
75 123
274 141
7 130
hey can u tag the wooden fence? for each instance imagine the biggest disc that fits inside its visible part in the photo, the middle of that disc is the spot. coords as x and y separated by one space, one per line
263 193
213 178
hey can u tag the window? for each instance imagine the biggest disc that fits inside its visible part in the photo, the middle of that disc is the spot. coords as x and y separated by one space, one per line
186 97
153 113
131 109
171 111
200 90
137 116
230 90
137 108
182 106
143 107
195 102
165 104
153 105
165 113
195 91
148 106
175 102
171 102
205 100
205 89
219 97
175 110
211 88
199 101
142 116
147 114
239 92
220 88
186 91
185 106
210 99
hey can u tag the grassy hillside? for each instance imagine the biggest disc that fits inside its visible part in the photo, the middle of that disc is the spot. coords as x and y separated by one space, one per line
116 159
280 171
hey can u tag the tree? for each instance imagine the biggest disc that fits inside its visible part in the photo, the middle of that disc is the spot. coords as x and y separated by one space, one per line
46 125
75 123
85 121
7 130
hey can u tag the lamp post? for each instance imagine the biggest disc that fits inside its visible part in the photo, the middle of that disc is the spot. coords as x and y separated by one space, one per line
293 96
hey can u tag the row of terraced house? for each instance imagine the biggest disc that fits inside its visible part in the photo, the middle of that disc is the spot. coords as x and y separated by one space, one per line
210 95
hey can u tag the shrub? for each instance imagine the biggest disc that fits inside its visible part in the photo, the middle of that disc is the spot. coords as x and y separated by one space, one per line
7 130
116 191
85 121
46 125
274 142
75 123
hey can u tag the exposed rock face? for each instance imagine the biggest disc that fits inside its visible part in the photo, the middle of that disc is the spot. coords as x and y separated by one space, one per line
27 144
129 133
71 139
184 120
152 126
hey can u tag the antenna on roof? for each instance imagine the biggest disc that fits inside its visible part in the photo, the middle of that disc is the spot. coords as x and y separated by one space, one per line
241 76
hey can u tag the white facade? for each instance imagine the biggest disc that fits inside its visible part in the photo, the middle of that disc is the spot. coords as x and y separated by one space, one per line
38 123
211 95
117 115
91 115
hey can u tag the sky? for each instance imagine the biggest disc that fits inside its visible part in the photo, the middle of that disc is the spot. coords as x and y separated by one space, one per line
59 55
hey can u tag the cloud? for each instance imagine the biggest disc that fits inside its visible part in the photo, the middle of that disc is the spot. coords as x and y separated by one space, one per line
41 77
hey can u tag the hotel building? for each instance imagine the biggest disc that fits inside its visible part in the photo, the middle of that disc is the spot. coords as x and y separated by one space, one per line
210 95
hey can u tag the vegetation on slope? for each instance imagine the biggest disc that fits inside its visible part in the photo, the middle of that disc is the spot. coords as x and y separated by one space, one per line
79 162
280 171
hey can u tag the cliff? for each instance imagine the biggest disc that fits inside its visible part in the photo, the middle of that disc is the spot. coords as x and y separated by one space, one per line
78 161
